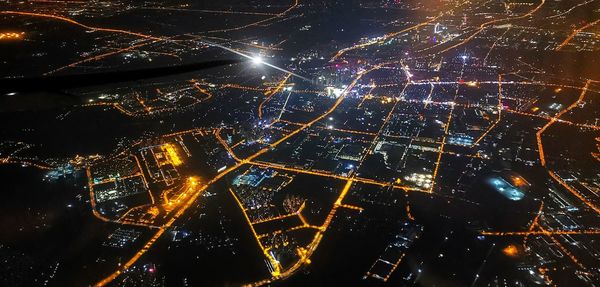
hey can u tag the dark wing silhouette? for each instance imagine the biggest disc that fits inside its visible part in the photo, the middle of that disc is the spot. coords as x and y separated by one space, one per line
50 91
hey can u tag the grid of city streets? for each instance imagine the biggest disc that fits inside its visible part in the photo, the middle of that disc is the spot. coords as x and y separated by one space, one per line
300 143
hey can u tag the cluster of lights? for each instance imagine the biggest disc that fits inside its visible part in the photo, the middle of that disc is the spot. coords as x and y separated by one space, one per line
387 100
11 35
506 189
174 158
422 180
461 140
337 92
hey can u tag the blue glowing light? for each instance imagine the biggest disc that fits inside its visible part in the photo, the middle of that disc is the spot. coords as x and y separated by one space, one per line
506 189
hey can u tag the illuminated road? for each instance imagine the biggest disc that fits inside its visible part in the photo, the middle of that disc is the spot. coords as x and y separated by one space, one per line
71 21
412 89
574 33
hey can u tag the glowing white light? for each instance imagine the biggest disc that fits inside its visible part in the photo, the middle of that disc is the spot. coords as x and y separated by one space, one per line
338 92
257 60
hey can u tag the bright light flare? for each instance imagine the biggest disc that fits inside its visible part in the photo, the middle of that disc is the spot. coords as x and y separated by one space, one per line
257 60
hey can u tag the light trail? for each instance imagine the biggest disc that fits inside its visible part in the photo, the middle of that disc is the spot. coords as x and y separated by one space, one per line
446 132
71 21
246 88
270 94
571 9
441 150
385 37
276 266
203 91
483 26
574 33
394 266
353 207
287 99
92 28
408 213
93 197
368 95
333 129
121 31
542 153
538 135
271 48
226 146
21 161
212 11
587 126
122 50
483 263
429 95
493 46
562 248
533 83
546 232
238 143
385 121
500 107
306 253
574 192
278 15
347 187
335 176
101 56
534 223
